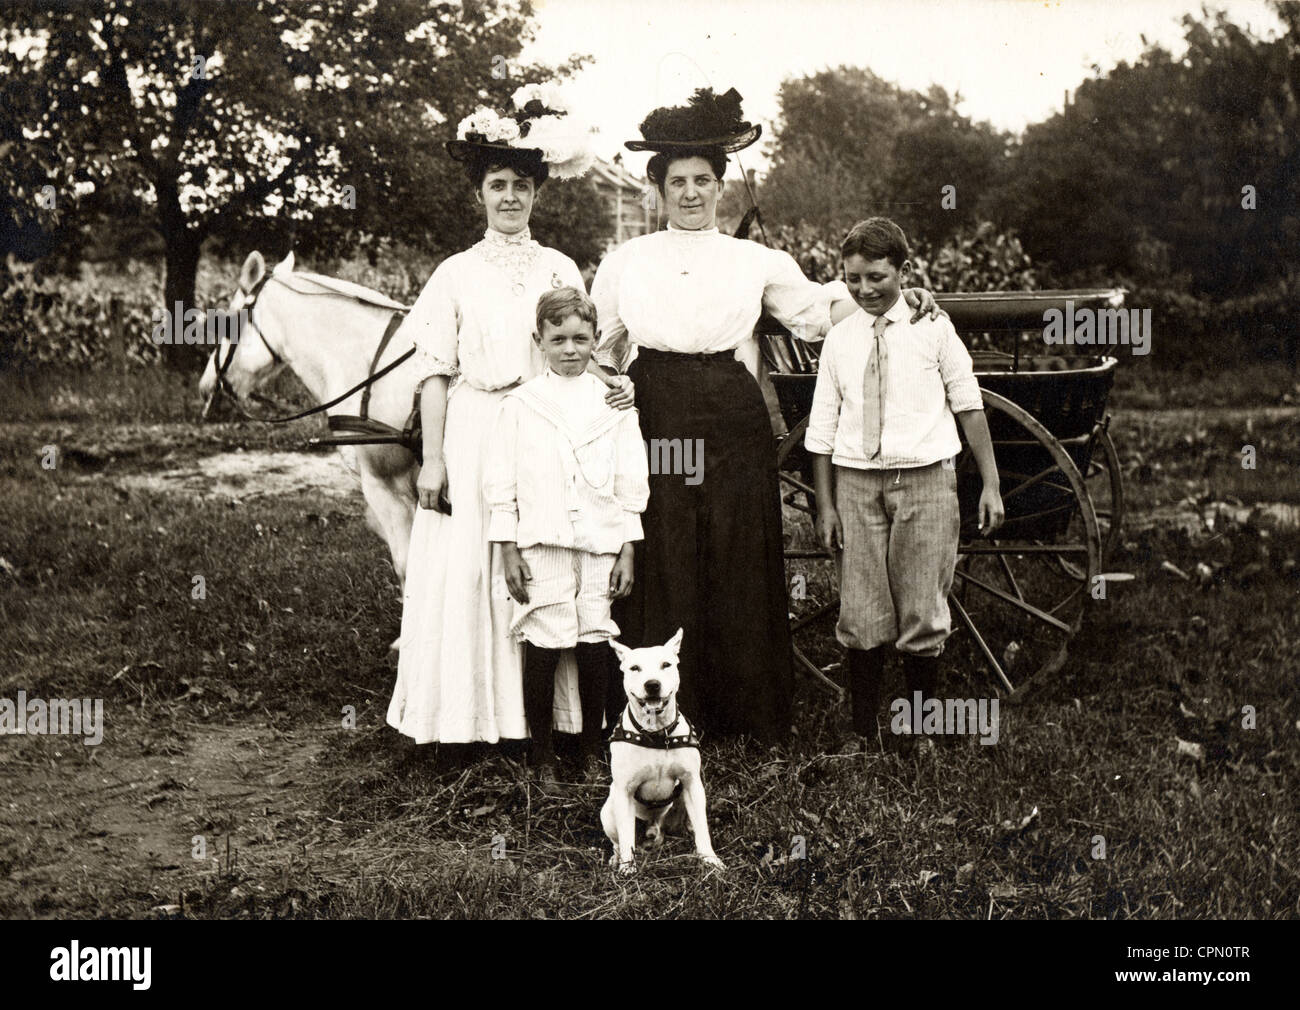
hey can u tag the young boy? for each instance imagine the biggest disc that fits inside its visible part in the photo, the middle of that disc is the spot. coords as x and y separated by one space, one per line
566 482
887 391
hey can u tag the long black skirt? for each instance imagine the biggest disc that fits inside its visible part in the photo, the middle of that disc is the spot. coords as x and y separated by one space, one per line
711 562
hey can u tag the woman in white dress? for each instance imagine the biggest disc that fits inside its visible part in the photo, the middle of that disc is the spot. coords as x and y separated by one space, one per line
459 676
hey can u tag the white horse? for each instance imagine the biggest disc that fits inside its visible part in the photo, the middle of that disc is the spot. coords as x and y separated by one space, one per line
326 331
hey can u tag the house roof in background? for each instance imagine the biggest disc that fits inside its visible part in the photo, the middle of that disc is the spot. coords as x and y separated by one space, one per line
616 175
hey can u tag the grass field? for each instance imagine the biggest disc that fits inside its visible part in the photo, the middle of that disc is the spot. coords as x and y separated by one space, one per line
227 784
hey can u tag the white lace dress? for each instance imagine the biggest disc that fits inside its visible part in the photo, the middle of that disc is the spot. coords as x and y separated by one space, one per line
460 673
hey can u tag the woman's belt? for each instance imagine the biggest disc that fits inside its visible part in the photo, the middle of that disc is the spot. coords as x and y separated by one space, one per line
491 389
707 357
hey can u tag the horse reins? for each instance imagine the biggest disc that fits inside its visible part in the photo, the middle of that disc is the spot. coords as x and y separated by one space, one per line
223 364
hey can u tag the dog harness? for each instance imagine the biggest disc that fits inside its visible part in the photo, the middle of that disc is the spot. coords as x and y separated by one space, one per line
658 739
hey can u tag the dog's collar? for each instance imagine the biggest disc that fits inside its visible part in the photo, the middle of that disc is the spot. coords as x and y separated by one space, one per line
660 739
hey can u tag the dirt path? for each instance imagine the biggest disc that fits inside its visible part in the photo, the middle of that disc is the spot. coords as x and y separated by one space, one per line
247 475
147 815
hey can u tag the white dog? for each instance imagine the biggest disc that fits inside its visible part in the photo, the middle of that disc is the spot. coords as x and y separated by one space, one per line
654 758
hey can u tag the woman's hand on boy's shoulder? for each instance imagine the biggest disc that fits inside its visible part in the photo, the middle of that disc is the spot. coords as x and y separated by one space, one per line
923 304
621 394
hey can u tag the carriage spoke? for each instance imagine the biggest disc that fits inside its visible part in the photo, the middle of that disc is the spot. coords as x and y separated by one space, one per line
814 671
1011 578
1036 479
994 665
1037 547
817 614
1006 597
796 483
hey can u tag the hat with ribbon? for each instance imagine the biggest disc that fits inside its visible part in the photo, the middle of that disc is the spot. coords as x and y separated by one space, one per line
540 124
707 120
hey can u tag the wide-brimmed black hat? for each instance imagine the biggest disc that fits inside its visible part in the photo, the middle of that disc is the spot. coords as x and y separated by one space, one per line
707 120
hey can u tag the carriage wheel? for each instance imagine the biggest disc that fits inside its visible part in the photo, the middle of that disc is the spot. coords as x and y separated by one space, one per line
1106 487
1020 596
819 597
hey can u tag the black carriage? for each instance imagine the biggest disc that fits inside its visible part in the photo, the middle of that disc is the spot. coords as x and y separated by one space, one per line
1020 595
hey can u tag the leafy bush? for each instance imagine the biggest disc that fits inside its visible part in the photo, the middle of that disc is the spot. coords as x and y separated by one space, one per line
1202 332
977 258
105 314
72 322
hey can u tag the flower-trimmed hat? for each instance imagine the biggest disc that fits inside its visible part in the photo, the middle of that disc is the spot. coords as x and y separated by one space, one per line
708 120
540 124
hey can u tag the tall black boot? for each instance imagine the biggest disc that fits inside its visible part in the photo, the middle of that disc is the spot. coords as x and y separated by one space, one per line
616 699
921 673
594 660
866 671
539 702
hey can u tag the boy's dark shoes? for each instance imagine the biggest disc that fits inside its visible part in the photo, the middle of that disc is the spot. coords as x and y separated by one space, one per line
544 774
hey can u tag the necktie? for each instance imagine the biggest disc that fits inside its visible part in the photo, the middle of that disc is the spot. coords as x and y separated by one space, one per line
873 391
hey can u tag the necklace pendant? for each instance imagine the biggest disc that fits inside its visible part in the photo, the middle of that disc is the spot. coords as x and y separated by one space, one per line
518 289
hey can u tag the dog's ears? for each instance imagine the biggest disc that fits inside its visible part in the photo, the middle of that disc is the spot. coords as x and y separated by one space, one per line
675 643
619 648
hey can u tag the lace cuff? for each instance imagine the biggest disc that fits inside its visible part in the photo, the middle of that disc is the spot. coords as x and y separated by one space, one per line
427 364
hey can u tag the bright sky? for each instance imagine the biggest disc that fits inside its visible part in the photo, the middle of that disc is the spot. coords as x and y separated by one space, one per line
1011 60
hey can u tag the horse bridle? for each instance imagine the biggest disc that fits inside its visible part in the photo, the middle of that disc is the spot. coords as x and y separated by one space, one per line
223 364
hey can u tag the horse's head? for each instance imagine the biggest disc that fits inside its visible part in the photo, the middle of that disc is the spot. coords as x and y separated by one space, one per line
245 358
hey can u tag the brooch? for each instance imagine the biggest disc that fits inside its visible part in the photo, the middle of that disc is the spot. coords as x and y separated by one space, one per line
556 282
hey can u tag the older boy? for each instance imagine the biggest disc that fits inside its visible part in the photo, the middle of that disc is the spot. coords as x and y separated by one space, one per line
887 392
565 482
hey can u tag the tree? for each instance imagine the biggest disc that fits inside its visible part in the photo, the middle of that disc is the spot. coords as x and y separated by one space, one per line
1144 175
209 119
849 144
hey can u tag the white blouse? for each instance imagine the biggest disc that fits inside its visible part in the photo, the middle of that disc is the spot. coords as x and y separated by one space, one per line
928 379
564 468
700 291
476 315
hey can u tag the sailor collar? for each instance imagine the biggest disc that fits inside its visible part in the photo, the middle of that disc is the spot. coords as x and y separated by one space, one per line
537 397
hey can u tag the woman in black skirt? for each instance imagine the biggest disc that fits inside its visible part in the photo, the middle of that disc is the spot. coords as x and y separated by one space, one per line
677 311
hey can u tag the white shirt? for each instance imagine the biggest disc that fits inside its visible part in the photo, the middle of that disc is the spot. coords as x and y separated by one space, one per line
928 379
476 315
564 468
700 291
